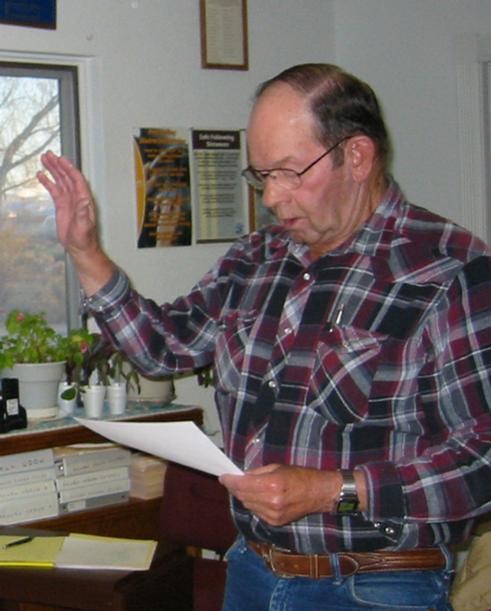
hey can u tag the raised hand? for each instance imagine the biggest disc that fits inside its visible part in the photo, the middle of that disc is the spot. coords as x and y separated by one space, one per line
75 208
76 221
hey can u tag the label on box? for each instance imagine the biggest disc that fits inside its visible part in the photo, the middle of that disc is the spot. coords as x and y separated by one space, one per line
12 407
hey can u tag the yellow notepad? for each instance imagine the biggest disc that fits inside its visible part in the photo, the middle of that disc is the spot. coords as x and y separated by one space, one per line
40 552
78 551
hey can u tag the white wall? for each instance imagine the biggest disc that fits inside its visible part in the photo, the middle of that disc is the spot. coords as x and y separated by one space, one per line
408 50
143 68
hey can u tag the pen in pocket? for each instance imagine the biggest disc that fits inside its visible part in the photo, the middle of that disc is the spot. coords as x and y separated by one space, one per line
339 315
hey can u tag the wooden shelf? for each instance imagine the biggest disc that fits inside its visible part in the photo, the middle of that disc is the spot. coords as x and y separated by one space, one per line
135 518
24 441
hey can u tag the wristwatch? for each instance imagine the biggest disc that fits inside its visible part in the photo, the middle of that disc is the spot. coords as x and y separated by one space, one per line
348 497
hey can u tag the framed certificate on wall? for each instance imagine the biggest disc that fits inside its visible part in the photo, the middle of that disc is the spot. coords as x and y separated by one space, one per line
224 39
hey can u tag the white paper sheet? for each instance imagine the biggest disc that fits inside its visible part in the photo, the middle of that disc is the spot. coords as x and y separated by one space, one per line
181 442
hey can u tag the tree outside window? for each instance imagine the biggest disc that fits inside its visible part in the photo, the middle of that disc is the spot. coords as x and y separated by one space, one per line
37 112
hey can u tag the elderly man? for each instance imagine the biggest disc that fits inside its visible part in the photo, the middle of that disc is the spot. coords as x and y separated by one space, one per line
351 346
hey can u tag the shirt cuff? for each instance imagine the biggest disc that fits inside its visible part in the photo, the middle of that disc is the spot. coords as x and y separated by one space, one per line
384 491
111 294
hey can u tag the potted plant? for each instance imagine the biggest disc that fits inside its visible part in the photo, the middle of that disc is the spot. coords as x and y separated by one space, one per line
79 344
37 355
105 372
91 376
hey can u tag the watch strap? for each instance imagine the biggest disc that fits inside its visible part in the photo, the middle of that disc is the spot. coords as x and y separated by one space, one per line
348 501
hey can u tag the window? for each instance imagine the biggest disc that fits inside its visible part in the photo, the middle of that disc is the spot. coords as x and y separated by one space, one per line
38 111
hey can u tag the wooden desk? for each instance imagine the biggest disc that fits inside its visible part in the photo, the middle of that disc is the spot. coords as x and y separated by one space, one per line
165 587
136 518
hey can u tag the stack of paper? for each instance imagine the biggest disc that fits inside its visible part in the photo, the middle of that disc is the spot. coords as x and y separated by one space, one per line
92 552
147 474
78 551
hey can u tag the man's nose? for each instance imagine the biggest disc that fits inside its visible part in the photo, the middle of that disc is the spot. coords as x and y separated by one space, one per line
273 193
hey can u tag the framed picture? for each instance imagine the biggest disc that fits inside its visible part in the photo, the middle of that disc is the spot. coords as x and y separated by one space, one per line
224 39
29 13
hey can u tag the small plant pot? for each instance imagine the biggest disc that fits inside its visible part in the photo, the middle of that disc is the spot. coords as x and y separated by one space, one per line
93 400
153 390
66 406
117 398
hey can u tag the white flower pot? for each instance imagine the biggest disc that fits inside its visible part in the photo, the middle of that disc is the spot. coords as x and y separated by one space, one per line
66 407
38 387
153 390
117 397
93 400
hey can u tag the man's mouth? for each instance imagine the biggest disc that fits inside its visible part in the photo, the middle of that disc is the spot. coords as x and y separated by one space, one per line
290 223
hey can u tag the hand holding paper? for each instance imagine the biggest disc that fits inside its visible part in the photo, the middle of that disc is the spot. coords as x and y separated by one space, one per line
181 442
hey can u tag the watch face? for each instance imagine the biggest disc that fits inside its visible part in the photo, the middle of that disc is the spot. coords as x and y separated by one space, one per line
347 506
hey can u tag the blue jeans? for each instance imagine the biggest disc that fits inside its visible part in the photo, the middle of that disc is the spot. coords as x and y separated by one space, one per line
251 586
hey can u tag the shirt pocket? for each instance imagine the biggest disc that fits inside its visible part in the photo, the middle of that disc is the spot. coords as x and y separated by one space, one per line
351 340
345 364
234 331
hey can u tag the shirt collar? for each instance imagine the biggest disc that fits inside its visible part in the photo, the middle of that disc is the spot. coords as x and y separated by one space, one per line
374 238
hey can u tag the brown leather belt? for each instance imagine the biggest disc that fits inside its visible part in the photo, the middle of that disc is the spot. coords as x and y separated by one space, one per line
288 564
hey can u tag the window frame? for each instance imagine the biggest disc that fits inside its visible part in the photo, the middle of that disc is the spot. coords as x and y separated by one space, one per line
70 142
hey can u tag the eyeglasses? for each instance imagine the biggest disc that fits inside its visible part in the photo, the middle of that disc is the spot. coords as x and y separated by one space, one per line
284 177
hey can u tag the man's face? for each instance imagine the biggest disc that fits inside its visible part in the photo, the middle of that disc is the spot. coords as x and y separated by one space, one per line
324 210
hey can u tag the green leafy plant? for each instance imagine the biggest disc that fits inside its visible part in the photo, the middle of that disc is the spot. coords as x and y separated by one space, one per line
79 344
30 339
121 370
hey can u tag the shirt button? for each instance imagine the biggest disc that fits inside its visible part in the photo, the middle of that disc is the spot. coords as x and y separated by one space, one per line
306 276
272 384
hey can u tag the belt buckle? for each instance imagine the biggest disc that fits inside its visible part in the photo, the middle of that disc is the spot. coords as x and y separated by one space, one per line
269 558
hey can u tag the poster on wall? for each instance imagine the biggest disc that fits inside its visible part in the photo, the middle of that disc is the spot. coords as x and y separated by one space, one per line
163 190
220 192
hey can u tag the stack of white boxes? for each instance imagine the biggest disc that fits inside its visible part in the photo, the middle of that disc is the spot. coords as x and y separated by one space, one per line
91 476
27 487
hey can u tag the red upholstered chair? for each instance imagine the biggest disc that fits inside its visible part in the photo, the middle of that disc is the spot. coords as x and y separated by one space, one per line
195 513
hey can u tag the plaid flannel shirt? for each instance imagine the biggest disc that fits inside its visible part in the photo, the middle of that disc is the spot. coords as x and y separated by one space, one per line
376 356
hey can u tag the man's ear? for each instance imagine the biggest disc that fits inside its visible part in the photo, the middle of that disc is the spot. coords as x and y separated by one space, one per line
361 153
